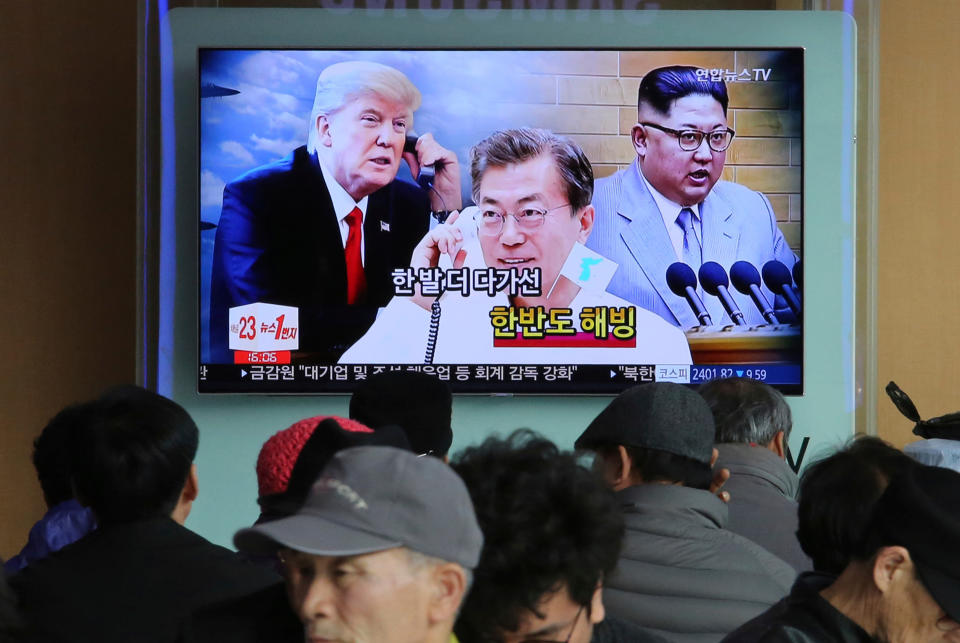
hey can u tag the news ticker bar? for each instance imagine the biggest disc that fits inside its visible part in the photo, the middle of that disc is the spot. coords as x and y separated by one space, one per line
312 378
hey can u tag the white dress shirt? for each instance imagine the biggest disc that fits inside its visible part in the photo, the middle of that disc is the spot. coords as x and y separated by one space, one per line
343 205
670 211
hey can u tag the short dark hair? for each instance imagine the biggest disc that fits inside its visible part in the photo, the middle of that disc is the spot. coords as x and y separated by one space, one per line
133 455
837 497
547 522
746 411
420 404
655 465
52 454
660 88
513 146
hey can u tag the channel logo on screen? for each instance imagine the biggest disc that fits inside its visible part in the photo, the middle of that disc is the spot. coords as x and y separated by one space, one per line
261 327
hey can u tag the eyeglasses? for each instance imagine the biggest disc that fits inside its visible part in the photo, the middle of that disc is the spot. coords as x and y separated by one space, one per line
573 626
490 221
692 139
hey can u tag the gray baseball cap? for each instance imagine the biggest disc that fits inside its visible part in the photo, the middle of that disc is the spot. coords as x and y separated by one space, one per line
369 499
664 416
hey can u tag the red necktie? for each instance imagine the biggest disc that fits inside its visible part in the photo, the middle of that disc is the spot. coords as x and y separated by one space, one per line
356 279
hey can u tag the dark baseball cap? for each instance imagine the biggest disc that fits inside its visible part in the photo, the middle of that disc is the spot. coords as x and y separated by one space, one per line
373 498
421 404
662 415
920 510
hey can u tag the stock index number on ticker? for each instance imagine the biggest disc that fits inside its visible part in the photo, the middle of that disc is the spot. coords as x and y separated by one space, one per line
706 373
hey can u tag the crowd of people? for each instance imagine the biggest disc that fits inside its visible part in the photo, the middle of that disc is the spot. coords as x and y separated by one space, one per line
686 526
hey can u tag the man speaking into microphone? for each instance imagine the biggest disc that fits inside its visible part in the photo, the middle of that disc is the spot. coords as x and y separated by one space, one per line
670 205
321 229
533 190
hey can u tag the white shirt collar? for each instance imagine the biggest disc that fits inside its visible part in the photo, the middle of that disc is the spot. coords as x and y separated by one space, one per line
669 210
343 203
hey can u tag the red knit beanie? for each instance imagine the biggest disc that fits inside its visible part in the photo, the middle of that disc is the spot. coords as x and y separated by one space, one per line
280 452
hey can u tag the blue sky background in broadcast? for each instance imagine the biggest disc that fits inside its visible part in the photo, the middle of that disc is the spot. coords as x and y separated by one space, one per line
268 118
462 103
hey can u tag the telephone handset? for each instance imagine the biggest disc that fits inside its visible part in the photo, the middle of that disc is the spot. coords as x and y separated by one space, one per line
427 172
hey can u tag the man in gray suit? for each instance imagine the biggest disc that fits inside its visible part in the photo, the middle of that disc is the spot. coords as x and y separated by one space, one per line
671 206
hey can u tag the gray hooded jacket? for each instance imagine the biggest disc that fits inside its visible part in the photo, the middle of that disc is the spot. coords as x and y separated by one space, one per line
684 576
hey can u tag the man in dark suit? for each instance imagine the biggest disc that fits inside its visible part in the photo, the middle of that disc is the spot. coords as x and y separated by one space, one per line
322 228
141 571
552 533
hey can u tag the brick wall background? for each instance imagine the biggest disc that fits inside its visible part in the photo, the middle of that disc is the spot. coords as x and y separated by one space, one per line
592 96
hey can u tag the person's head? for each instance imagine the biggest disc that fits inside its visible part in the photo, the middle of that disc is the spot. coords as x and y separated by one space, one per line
533 190
381 549
904 583
653 433
693 107
292 459
52 455
361 114
837 496
746 411
422 405
552 532
133 457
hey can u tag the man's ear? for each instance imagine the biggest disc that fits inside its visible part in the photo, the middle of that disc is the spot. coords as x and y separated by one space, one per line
638 135
189 493
449 588
323 130
888 563
615 467
621 473
586 223
779 445
597 612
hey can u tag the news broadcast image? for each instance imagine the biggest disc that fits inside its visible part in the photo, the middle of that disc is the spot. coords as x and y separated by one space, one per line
550 222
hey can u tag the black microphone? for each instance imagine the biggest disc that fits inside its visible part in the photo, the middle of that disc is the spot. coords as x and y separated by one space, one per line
798 275
777 277
714 280
683 283
746 279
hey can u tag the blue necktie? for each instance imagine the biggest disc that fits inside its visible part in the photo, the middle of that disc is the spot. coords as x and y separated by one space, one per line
692 254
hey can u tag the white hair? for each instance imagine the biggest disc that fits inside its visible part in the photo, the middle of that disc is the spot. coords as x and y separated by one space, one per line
420 561
340 83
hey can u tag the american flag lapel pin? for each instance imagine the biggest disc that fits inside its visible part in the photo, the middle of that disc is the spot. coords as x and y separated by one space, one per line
384 226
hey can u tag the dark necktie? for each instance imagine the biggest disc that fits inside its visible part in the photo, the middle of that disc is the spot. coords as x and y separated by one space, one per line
356 279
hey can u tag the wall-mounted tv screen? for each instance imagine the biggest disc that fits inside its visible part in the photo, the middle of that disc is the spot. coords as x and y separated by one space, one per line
512 221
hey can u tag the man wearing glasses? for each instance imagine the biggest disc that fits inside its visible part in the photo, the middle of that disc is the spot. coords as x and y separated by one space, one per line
671 205
533 190
552 533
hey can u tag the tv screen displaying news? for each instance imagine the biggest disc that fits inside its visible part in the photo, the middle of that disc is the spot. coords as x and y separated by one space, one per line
562 221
